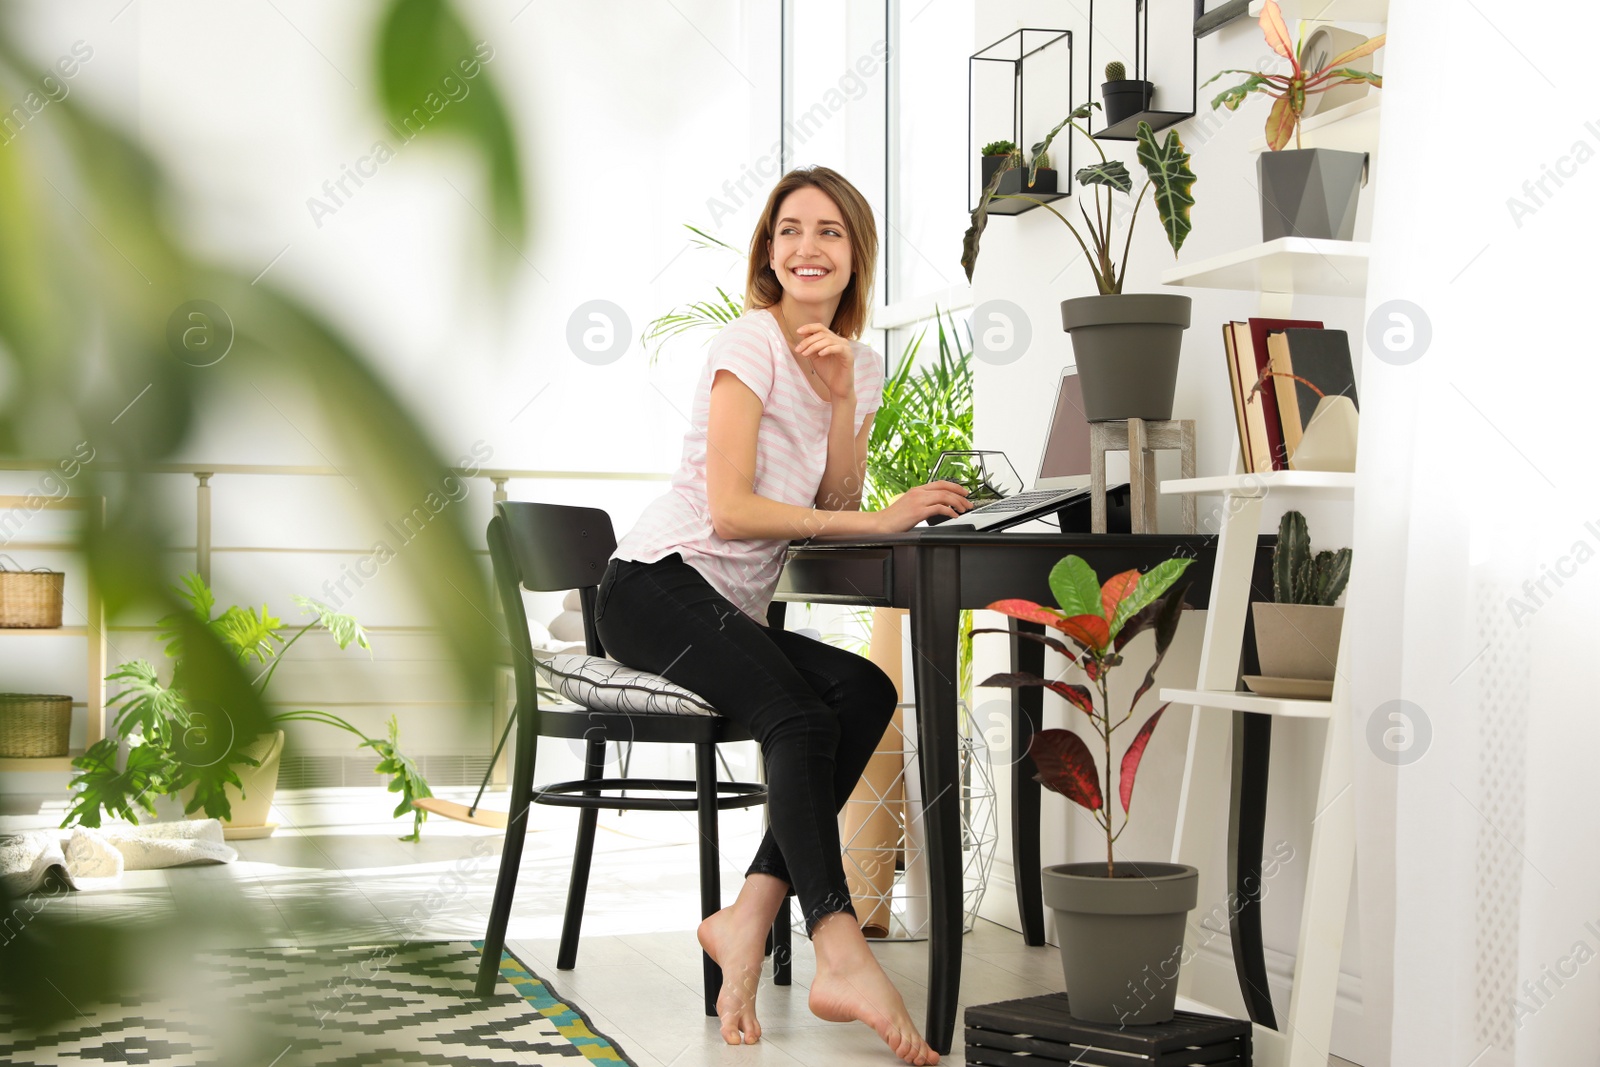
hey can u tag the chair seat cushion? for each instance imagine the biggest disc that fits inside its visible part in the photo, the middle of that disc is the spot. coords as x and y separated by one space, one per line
606 685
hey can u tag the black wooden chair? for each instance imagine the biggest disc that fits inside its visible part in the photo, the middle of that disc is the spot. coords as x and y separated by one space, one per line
547 547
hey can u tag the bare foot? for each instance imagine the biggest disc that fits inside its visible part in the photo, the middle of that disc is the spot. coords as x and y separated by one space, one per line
850 986
736 938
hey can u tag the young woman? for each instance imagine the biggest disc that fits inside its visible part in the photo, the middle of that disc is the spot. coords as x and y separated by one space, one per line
776 452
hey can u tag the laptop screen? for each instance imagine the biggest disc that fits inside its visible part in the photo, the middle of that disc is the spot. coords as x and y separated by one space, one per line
1064 463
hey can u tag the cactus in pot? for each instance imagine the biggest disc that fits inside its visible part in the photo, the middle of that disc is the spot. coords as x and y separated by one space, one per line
1297 636
1298 577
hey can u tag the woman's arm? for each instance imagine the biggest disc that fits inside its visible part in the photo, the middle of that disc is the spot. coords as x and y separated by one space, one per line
737 512
845 476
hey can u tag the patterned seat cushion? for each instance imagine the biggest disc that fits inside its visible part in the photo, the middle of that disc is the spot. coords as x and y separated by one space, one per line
606 685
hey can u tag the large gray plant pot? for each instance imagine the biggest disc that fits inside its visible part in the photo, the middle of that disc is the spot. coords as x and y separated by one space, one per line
1126 348
1310 192
1121 938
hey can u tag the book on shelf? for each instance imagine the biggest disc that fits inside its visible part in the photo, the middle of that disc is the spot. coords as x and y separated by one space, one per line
1257 332
1322 359
1255 452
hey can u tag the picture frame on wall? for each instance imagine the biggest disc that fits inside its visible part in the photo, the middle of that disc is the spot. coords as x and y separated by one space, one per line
1211 15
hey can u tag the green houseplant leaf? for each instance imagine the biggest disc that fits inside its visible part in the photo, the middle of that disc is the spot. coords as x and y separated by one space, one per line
345 629
1082 111
1167 164
100 786
420 44
980 220
253 635
1112 173
1075 587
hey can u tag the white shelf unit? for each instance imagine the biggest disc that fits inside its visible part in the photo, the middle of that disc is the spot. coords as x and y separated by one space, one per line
1289 265
1303 1036
1276 271
1351 127
1231 700
93 633
1324 483
1327 10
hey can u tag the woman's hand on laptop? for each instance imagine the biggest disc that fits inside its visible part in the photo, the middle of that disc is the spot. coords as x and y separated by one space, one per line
948 499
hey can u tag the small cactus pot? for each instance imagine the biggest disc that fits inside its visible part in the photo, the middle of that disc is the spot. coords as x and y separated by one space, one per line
1297 640
1125 99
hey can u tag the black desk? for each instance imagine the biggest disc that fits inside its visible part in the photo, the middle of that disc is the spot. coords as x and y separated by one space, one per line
936 575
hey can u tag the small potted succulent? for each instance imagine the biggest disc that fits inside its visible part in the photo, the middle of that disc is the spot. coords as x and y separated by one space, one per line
1006 158
1124 97
1305 192
1297 636
1120 922
1125 346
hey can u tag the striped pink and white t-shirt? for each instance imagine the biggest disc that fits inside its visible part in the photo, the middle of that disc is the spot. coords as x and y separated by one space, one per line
791 455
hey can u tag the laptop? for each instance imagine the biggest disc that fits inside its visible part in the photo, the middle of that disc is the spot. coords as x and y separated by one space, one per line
1063 469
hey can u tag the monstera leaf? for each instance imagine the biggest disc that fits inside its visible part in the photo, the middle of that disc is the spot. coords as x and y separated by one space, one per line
1167 164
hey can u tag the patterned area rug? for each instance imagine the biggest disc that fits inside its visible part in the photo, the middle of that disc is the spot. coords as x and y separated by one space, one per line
365 1006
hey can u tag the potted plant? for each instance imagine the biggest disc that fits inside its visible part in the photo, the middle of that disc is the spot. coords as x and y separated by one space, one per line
1305 192
1125 345
1119 922
1004 157
1124 97
1297 636
182 747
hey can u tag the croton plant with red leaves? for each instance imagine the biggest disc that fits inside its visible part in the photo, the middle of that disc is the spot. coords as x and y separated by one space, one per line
1098 621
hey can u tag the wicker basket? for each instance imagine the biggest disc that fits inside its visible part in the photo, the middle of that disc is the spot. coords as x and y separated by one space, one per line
29 599
34 725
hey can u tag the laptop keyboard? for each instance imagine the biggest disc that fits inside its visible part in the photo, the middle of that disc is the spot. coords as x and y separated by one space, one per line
1018 502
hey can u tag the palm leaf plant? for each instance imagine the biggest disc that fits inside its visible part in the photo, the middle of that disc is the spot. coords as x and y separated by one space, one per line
1168 176
177 741
1097 622
709 314
1289 91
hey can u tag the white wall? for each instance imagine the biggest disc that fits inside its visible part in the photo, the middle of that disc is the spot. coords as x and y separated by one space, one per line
1032 261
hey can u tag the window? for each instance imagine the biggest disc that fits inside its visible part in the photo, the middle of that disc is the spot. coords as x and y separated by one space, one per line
878 92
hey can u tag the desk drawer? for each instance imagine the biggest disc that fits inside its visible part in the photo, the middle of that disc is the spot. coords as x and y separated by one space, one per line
853 577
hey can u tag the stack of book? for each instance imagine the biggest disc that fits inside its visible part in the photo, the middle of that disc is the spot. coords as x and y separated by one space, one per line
1273 415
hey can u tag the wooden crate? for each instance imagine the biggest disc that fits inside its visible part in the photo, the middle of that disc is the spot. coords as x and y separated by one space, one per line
1037 1031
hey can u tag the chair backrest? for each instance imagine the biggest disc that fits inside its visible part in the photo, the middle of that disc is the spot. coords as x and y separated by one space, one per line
555 546
541 548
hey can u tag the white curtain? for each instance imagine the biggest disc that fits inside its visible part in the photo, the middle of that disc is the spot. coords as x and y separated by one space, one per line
1476 598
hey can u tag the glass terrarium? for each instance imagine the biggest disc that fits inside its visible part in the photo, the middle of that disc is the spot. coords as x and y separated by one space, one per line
986 475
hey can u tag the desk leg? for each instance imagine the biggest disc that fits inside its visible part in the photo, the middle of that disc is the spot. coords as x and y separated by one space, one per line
1027 709
935 615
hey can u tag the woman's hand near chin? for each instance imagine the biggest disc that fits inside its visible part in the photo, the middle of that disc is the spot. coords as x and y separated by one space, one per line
922 502
830 356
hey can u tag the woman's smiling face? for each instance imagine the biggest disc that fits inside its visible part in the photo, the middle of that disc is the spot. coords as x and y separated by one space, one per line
810 250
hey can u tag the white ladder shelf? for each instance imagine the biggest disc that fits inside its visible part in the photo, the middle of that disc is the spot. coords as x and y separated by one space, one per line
1304 1034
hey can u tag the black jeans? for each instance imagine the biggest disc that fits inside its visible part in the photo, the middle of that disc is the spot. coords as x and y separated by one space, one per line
816 710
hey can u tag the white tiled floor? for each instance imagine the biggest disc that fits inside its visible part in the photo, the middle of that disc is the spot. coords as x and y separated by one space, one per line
335 873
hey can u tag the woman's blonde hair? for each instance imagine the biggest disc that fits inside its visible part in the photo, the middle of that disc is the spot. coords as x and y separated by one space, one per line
762 288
